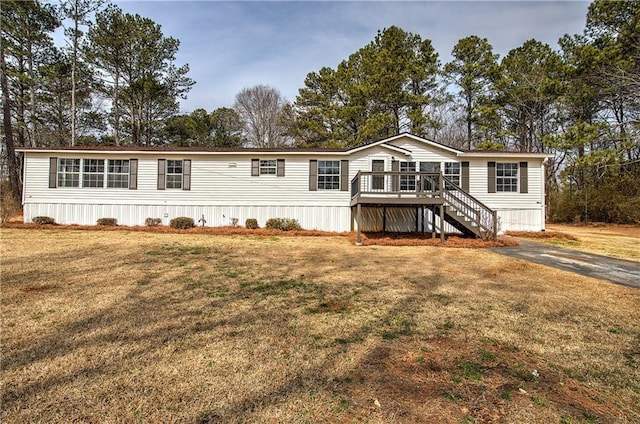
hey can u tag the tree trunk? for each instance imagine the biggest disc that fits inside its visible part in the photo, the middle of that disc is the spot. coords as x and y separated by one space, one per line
116 108
12 166
469 119
73 72
20 106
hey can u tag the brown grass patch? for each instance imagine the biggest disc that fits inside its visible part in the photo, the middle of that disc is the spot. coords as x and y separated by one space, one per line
617 241
165 229
116 326
538 235
371 239
416 239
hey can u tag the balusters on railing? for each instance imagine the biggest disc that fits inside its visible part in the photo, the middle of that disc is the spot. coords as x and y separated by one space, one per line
355 185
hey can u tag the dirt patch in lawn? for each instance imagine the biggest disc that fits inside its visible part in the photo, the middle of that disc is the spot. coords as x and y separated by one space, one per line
129 326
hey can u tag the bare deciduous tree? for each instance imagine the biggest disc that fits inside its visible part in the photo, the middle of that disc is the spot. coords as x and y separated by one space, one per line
260 109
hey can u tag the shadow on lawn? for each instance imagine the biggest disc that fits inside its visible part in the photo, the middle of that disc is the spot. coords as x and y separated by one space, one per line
163 311
156 315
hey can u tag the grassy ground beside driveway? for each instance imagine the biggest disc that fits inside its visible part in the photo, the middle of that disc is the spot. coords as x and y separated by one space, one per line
147 327
618 241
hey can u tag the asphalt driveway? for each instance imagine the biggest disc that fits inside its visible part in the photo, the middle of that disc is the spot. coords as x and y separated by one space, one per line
617 271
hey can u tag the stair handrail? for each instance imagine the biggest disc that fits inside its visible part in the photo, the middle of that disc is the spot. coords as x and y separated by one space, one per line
483 216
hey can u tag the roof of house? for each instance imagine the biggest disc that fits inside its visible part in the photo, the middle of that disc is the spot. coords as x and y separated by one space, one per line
384 143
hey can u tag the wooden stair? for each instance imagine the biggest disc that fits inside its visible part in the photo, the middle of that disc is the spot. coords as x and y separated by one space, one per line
466 213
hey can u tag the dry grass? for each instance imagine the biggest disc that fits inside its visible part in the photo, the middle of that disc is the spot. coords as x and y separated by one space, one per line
618 241
368 239
132 326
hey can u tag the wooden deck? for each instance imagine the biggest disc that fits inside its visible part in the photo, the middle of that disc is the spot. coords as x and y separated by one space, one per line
396 188
423 190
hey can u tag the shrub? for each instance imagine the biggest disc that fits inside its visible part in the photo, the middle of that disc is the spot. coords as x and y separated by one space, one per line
181 223
251 223
110 222
152 222
284 224
44 220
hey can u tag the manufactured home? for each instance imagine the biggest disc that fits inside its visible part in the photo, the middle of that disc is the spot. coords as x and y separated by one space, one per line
403 183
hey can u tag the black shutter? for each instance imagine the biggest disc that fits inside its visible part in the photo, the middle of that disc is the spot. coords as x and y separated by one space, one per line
524 177
491 176
133 174
255 167
280 168
313 175
53 172
162 174
464 177
344 175
186 174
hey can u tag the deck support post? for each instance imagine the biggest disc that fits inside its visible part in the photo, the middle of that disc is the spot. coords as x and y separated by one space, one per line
359 224
442 223
433 222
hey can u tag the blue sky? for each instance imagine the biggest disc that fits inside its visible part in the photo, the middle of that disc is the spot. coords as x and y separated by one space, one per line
232 45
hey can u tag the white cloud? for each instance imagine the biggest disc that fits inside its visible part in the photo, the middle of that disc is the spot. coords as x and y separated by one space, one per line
232 45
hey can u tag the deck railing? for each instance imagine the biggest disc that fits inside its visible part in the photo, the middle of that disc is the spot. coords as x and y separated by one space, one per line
474 210
396 183
426 185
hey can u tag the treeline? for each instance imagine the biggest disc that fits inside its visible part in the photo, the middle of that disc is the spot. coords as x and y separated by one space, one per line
117 83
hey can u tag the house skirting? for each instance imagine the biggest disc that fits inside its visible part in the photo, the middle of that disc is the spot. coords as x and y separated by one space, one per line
323 218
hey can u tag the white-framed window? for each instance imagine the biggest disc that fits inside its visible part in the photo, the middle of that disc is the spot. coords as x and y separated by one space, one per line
268 166
506 177
407 182
93 173
68 172
452 172
174 174
328 175
118 173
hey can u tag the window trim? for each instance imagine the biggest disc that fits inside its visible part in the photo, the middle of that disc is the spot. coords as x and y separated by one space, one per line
60 172
55 172
266 166
408 181
335 177
163 173
257 167
454 177
507 181
176 180
89 177
119 174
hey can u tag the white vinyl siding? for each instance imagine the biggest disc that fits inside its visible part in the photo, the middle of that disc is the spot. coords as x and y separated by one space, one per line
221 184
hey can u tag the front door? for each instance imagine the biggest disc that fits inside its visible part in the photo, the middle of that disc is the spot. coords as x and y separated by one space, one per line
430 182
377 165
